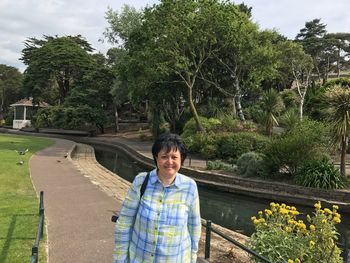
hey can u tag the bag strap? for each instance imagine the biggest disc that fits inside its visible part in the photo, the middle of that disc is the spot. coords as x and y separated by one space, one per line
144 185
142 191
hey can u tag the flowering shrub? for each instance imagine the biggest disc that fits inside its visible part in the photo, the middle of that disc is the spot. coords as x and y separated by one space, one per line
281 237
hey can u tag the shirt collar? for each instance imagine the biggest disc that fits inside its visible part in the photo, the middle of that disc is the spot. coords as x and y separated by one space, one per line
153 178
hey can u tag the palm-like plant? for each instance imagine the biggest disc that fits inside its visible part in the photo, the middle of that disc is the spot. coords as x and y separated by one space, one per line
338 101
271 106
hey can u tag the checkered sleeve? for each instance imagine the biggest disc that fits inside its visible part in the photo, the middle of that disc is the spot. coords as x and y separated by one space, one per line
125 222
194 225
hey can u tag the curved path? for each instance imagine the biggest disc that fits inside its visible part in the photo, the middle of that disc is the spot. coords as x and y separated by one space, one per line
77 212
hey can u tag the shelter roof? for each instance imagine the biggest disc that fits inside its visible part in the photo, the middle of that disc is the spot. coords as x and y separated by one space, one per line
29 103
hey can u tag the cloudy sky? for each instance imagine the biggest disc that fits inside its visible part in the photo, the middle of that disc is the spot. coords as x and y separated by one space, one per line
20 19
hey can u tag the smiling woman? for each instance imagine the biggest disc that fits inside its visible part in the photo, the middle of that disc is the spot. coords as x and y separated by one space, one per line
18 201
161 224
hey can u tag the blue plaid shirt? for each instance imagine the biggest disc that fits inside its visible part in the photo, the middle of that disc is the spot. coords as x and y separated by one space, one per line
164 226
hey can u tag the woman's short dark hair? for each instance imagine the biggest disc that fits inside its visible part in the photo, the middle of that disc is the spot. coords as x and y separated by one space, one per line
168 142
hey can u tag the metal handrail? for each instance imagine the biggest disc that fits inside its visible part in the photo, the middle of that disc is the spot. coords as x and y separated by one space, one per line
40 232
208 231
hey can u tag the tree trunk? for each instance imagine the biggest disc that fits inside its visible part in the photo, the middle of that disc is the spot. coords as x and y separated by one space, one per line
301 108
199 125
116 119
343 156
238 100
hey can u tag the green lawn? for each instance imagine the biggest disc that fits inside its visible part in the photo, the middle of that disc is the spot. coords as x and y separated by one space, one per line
19 204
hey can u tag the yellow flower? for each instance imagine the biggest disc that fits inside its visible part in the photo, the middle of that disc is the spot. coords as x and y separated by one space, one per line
311 244
294 212
297 260
253 218
268 212
336 220
327 211
256 221
283 211
290 261
312 228
324 221
260 213
302 226
293 209
261 220
288 229
272 204
335 207
336 215
317 205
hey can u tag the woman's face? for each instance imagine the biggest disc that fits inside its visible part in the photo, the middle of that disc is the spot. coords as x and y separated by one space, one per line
168 163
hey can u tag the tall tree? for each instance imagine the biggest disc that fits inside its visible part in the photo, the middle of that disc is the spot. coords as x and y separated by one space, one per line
272 105
338 101
299 64
312 39
10 87
54 63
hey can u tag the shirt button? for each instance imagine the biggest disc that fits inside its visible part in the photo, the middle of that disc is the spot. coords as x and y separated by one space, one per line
152 255
158 213
155 228
160 200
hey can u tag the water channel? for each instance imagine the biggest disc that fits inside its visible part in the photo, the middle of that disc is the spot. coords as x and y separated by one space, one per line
226 209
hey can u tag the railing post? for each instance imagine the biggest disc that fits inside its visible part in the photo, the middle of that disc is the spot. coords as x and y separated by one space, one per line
207 239
42 213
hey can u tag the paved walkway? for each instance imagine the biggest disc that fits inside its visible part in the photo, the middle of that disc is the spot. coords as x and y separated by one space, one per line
78 213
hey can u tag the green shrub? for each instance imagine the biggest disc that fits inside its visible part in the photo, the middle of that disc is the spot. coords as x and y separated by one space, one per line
343 82
290 98
190 127
288 152
78 117
281 236
204 143
319 173
252 112
229 124
219 165
289 119
235 144
249 164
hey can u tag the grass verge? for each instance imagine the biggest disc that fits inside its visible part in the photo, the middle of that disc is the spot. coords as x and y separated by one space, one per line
19 204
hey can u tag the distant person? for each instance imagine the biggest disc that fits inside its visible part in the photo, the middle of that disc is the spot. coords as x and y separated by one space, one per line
163 224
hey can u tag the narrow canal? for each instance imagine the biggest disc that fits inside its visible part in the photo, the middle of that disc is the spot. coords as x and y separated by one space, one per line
226 209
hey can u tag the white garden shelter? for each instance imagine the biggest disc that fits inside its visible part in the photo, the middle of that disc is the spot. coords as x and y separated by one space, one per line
23 112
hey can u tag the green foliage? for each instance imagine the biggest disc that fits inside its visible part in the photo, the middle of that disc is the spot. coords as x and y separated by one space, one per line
288 152
289 119
10 89
271 106
209 124
281 236
55 64
319 173
219 165
342 82
204 143
234 145
249 164
81 117
290 98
